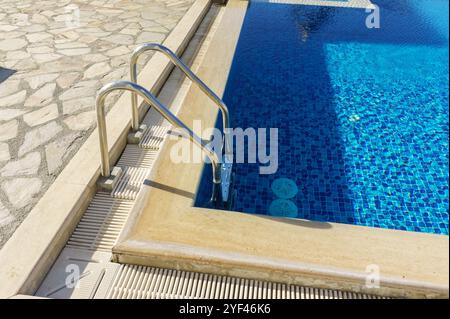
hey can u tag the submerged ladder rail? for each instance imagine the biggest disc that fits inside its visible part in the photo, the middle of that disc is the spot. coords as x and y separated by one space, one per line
187 71
164 111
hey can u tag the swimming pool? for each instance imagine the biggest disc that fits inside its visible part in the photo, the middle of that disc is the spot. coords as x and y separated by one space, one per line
362 114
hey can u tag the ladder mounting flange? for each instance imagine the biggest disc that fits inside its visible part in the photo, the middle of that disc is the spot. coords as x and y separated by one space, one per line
135 137
108 183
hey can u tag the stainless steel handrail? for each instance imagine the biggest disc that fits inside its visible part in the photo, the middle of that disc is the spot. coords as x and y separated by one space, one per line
183 67
153 101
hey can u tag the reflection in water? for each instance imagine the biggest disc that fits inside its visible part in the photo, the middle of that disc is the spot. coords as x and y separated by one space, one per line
311 22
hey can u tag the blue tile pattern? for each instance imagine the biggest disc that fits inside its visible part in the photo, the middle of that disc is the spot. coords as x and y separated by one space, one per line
362 113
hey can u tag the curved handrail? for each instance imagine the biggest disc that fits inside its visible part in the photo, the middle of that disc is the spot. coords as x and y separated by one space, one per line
183 67
153 101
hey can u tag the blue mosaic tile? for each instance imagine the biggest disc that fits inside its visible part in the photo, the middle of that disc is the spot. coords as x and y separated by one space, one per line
362 113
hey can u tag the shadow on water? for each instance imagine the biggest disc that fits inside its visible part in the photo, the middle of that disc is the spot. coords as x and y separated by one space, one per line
5 73
269 87
279 78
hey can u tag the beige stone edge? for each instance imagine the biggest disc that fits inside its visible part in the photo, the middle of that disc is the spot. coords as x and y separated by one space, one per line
361 4
34 246
164 230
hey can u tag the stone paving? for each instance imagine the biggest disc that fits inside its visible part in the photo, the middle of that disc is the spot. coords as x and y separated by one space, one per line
54 56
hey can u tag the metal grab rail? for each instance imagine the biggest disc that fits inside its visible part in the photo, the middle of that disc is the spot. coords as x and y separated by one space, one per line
153 101
183 67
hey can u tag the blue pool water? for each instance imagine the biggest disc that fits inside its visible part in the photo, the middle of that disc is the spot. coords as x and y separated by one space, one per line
362 113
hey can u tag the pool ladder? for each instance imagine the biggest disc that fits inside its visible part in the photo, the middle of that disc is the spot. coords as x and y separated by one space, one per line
221 169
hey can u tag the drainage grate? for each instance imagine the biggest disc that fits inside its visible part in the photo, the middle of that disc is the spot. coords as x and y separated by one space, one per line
140 282
153 137
129 183
134 156
101 224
